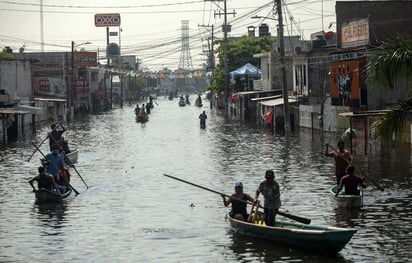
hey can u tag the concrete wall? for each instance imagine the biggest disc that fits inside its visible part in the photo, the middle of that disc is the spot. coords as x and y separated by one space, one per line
15 78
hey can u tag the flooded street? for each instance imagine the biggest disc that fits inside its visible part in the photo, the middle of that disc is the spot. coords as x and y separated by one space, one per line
131 212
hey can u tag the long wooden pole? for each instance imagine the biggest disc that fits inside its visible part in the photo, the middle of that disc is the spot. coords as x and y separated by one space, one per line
294 217
48 135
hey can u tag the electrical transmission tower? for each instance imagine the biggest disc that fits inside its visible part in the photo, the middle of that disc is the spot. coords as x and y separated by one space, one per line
185 58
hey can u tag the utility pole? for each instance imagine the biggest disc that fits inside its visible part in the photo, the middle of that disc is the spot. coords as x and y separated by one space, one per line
225 28
210 57
283 66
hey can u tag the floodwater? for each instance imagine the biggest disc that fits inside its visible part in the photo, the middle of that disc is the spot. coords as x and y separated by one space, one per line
131 212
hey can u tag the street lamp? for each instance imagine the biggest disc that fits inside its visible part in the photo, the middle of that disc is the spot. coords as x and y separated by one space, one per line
71 95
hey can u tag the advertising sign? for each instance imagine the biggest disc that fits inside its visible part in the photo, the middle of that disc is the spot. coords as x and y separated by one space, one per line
106 20
84 59
345 83
355 33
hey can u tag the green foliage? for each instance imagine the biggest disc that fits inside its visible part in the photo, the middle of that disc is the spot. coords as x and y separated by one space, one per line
392 63
5 55
239 52
387 67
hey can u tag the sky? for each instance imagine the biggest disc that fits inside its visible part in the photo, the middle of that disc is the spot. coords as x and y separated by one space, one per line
150 29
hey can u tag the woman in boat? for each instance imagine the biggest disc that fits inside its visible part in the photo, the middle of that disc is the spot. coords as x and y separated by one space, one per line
271 193
351 182
239 202
44 181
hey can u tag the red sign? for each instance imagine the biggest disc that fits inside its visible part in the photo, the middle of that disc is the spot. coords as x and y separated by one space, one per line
355 33
81 86
106 20
44 85
84 59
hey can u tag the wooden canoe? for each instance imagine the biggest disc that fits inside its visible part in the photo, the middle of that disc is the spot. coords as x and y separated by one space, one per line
142 118
73 155
47 196
346 200
315 238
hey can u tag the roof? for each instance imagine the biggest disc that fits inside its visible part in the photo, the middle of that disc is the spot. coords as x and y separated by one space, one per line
276 102
12 111
246 70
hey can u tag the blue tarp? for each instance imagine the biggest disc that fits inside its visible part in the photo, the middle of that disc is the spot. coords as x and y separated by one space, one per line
246 70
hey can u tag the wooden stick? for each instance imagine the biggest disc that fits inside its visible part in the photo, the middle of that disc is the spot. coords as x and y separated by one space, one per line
372 181
42 142
293 217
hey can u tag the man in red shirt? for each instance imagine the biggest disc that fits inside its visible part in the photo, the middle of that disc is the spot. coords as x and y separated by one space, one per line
343 158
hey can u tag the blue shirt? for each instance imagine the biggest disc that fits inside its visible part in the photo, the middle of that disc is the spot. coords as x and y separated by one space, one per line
55 162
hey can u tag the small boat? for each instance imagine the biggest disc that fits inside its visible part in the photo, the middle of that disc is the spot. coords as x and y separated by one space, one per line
73 155
182 103
142 118
346 200
198 103
314 238
47 196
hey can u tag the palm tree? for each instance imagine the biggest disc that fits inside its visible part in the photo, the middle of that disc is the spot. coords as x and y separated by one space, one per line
388 67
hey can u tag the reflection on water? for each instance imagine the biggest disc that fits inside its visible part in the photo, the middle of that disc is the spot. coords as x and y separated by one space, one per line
52 214
132 213
250 249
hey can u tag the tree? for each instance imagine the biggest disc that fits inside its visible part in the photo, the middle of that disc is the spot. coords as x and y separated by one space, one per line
388 67
239 52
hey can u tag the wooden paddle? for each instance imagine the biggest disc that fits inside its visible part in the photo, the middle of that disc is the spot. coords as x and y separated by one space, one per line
44 156
42 142
372 181
293 217
70 162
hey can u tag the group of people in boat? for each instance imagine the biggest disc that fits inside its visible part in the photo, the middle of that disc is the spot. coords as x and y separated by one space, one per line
344 170
144 108
345 179
54 174
269 188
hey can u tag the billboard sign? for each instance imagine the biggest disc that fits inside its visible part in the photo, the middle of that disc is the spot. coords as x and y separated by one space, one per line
355 33
345 83
106 20
84 59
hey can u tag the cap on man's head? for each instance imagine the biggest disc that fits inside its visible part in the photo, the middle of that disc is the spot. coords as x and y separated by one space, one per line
269 174
238 184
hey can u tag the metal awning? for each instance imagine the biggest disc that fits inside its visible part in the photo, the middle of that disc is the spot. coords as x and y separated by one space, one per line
50 99
276 102
12 111
266 98
31 109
